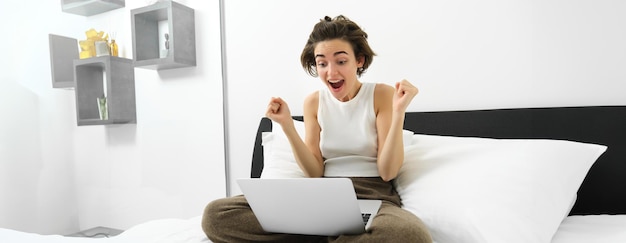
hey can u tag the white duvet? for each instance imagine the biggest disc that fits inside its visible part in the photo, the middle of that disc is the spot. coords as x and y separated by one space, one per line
155 231
574 229
592 228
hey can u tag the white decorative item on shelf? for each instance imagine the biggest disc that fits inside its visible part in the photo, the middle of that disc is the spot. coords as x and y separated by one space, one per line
102 48
164 38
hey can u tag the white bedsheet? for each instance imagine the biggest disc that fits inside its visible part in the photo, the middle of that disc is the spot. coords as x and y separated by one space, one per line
155 231
574 229
165 231
592 228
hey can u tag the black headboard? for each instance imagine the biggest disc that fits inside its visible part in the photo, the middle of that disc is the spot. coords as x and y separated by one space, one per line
604 189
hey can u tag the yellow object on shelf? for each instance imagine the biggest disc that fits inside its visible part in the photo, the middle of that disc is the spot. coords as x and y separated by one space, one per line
84 54
91 33
88 46
114 51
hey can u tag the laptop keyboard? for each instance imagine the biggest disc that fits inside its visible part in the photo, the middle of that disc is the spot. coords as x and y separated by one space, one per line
366 217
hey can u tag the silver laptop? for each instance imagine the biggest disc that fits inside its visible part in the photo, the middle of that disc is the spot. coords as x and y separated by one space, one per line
309 206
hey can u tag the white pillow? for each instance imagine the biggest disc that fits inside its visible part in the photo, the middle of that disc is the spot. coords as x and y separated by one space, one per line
279 161
492 190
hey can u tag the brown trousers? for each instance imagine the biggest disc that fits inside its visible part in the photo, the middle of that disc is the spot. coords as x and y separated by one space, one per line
231 220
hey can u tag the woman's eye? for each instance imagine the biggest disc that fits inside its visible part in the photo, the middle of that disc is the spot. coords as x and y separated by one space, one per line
321 64
342 62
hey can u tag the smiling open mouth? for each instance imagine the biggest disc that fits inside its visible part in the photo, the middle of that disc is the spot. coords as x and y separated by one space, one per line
336 85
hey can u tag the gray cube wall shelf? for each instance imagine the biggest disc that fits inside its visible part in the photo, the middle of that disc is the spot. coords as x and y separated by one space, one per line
181 30
91 76
63 51
90 7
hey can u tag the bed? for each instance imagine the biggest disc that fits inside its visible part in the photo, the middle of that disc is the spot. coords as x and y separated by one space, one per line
503 175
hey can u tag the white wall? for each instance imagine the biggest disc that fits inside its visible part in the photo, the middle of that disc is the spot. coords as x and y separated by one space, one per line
61 178
36 147
461 54
23 185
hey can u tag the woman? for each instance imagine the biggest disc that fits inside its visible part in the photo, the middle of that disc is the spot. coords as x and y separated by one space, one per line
353 130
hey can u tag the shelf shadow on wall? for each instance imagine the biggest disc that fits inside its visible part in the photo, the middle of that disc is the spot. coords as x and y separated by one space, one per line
123 134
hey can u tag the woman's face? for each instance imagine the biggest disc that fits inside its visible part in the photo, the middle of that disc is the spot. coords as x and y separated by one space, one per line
337 66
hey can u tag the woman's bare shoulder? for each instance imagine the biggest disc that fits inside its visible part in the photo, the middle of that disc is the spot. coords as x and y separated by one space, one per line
311 102
383 88
312 98
383 94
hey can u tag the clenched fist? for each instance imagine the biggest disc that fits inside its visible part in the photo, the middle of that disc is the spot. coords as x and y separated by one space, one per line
278 110
403 96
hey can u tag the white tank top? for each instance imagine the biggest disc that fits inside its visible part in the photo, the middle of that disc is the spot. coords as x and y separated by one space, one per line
348 139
